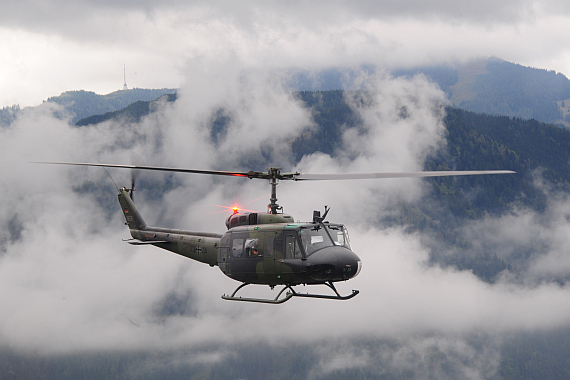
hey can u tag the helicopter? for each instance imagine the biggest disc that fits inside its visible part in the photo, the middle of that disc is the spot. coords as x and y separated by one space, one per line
265 248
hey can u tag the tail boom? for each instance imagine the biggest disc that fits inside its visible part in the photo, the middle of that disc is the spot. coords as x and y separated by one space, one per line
199 246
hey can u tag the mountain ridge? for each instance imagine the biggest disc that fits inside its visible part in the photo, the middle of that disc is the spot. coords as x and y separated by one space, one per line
485 85
491 86
79 104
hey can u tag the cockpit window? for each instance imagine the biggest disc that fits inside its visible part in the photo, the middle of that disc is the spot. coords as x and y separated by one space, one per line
339 234
314 238
292 250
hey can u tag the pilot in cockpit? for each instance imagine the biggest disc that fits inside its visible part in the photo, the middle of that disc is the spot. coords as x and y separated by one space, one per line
252 247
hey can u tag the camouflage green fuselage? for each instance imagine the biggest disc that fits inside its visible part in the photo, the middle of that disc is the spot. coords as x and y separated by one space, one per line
272 252
282 257
199 246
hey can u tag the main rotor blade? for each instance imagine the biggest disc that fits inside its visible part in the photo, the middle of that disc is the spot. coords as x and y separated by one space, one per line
323 177
275 173
250 174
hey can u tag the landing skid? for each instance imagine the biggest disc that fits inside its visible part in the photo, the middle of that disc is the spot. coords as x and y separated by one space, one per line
292 293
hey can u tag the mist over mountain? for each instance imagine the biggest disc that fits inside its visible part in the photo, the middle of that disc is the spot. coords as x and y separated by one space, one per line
497 87
492 86
473 141
80 104
463 278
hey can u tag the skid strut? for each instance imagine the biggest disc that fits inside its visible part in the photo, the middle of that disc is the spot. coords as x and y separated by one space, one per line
292 293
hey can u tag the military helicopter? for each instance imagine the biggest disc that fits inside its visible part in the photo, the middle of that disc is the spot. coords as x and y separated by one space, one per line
265 248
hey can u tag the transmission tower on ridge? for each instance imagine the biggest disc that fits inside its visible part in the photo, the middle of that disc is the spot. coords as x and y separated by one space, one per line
125 77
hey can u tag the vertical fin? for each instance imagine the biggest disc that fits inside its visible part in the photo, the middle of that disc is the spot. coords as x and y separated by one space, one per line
132 216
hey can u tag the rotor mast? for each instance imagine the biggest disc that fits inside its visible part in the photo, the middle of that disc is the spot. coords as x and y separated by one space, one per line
273 175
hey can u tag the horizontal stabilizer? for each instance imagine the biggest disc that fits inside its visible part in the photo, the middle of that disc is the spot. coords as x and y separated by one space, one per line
138 242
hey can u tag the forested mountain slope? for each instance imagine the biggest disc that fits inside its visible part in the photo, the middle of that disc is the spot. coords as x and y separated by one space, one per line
498 87
81 104
492 86
132 113
86 103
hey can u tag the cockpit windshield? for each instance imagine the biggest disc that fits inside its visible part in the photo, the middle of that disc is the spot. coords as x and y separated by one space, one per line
314 237
317 236
339 234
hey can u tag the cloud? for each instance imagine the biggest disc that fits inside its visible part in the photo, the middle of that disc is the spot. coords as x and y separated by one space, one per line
416 357
249 12
534 243
69 284
54 47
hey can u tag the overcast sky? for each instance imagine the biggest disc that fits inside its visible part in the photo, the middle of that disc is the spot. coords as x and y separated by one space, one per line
52 46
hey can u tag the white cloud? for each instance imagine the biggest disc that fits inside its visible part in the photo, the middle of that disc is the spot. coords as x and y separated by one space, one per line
68 283
534 243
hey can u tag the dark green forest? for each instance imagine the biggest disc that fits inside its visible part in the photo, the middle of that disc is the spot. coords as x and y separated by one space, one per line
130 114
82 103
541 355
8 115
514 90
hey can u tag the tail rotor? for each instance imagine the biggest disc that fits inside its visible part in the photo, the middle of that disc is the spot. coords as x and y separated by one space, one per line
136 160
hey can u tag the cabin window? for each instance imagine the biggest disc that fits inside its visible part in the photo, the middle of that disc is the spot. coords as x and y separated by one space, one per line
233 222
237 247
269 246
242 219
292 248
252 248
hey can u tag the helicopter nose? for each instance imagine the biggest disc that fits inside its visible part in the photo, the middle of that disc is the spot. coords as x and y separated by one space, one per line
333 264
348 264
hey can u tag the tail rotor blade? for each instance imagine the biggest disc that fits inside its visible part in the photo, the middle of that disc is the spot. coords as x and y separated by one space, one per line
136 160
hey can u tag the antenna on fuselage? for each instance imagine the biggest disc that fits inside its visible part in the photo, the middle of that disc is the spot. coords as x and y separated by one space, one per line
317 218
